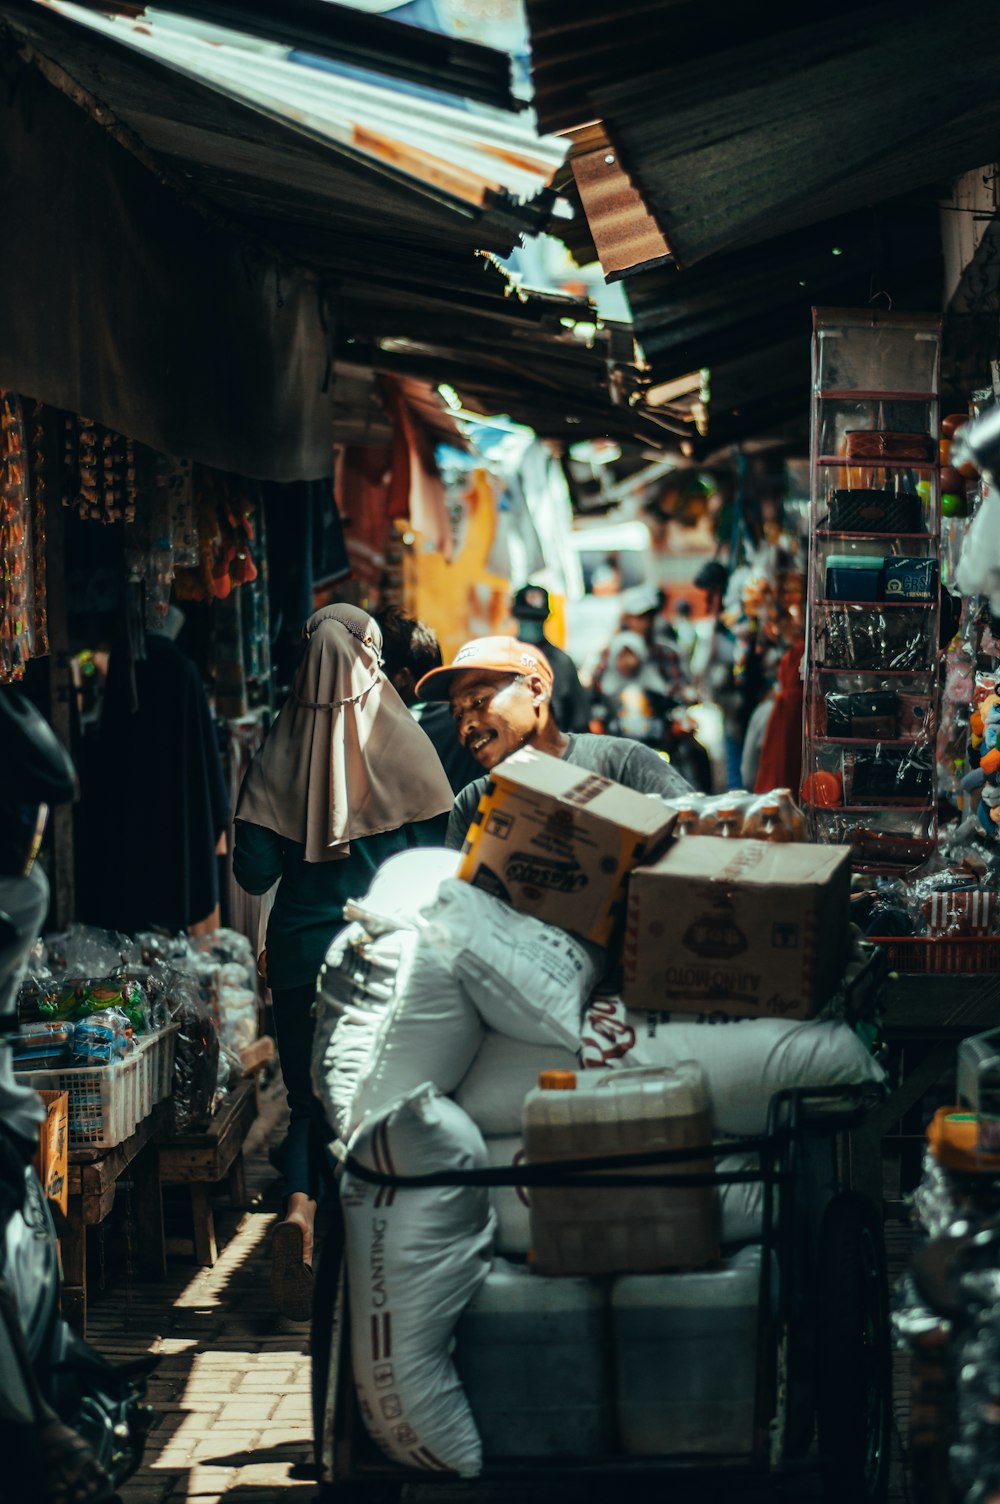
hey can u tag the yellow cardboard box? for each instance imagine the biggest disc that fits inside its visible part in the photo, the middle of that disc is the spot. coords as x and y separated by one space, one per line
558 842
51 1158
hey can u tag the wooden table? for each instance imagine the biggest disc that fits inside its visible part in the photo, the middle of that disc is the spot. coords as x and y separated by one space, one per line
202 1160
256 1058
927 1015
94 1175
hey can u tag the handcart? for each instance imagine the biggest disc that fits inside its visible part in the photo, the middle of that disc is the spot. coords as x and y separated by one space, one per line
822 1398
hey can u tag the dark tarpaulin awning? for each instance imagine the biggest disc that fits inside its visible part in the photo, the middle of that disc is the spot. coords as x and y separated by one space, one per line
124 304
578 49
746 315
738 136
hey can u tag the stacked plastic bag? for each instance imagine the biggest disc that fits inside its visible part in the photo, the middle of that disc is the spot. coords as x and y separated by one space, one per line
89 991
437 990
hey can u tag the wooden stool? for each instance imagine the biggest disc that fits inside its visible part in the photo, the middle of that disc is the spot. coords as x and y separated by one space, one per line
93 1180
202 1160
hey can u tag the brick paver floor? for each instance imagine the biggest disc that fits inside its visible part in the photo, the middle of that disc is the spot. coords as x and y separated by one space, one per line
231 1389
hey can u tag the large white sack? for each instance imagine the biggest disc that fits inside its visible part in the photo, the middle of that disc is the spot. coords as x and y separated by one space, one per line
430 1032
407 883
500 1077
356 984
415 1258
741 1206
529 980
745 1060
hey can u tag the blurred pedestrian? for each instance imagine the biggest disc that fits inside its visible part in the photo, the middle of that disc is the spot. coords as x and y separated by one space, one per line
410 650
345 779
531 608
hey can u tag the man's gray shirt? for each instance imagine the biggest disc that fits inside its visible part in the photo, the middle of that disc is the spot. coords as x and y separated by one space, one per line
615 757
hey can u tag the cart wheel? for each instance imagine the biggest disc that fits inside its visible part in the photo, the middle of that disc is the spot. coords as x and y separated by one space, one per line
854 1372
330 1241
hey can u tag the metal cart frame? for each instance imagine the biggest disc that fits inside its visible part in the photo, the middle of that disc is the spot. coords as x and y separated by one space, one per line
803 1347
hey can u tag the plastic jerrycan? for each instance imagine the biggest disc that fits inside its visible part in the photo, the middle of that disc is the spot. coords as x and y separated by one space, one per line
618 1229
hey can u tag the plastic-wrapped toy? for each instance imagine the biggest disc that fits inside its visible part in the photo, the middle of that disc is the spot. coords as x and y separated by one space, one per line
984 754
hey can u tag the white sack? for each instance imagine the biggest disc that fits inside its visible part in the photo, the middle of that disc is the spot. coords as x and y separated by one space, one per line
408 882
500 1077
430 1032
356 984
741 1206
745 1060
415 1258
529 980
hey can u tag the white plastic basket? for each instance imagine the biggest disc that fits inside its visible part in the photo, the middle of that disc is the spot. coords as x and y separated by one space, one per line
106 1103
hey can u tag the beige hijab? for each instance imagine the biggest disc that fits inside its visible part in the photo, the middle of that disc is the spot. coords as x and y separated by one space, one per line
344 759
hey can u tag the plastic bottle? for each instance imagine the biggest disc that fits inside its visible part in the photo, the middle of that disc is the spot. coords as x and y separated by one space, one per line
792 815
764 821
583 1230
728 821
685 1350
533 1356
688 820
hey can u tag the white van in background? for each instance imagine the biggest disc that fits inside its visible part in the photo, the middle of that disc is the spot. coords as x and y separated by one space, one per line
614 557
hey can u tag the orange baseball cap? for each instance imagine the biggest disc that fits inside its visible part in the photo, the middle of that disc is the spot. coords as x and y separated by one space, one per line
494 655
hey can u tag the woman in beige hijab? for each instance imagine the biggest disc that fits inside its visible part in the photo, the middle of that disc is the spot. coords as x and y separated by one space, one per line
345 780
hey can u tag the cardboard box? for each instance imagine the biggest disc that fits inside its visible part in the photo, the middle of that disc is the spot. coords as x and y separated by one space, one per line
51 1158
742 928
557 842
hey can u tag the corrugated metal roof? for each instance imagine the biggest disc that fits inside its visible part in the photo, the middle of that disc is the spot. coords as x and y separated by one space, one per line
393 246
361 40
762 138
579 49
626 236
461 159
746 315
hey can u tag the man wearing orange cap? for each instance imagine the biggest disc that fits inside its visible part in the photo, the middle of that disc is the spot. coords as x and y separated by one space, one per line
500 691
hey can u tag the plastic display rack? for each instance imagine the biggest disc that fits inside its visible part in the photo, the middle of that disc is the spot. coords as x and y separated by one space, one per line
872 653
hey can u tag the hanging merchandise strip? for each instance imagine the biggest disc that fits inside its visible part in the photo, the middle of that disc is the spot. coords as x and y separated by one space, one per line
158 566
256 619
37 470
183 521
100 472
224 511
16 603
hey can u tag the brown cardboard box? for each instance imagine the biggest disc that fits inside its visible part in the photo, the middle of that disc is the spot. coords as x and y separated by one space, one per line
557 842
51 1158
745 928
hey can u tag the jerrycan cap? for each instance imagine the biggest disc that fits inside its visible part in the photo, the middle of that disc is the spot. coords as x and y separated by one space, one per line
557 1080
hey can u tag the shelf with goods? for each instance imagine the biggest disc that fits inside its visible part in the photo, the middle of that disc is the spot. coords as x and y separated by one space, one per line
871 702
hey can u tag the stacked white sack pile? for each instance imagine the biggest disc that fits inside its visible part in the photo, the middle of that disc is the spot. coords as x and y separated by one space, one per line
437 989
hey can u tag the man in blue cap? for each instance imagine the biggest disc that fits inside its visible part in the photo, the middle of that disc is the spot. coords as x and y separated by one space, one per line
570 702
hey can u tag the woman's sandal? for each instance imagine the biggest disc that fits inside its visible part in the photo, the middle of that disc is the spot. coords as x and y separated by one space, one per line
291 1276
